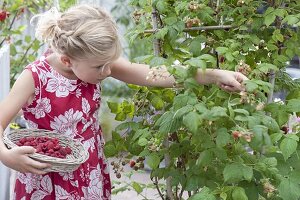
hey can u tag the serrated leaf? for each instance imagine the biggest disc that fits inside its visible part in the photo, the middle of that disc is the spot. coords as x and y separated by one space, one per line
270 16
239 194
222 50
110 150
288 146
293 105
289 189
204 194
222 137
153 160
237 172
157 102
192 121
205 158
242 111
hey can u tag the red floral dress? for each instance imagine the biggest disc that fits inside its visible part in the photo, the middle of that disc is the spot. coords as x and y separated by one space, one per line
70 107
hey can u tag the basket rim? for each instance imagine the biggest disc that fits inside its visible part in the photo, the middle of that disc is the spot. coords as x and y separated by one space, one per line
44 158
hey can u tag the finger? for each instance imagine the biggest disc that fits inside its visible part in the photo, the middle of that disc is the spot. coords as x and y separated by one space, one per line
235 85
228 88
38 165
240 77
26 150
36 171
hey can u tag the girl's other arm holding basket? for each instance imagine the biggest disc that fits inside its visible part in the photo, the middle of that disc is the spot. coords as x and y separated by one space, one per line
17 158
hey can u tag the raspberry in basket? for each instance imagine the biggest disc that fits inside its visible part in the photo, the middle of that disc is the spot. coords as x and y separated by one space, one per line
46 146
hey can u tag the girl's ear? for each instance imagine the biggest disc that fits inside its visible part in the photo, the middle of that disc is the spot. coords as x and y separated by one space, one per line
65 60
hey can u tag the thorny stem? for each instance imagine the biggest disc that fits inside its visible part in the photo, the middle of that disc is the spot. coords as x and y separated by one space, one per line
155 182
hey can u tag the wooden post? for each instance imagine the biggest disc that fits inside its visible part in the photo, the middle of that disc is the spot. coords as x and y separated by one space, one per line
4 89
157 52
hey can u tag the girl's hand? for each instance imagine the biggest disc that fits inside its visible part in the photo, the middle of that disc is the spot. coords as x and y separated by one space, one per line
17 158
230 81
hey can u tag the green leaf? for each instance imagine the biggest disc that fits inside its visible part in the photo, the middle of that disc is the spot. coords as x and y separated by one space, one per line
195 46
270 123
192 121
204 194
242 111
153 160
161 33
275 137
143 142
266 67
141 133
157 61
250 86
290 19
114 107
192 183
205 158
236 172
120 116
208 58
170 20
196 62
110 150
293 105
137 187
182 111
270 16
157 102
222 50
289 189
288 146
162 6
239 194
184 99
222 137
215 113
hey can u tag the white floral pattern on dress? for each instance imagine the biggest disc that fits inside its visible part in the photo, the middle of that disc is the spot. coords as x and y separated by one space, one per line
31 124
62 194
67 123
97 93
45 189
85 106
69 176
61 86
94 191
43 107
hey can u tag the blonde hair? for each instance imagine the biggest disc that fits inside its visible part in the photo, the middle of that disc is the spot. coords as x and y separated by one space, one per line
81 32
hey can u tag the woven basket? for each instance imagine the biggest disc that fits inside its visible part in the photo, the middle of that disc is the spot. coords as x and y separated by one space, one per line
72 161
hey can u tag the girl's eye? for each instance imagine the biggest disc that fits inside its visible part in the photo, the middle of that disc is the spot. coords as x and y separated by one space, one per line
99 67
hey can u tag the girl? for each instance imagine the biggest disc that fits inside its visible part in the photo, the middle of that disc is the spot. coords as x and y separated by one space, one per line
61 92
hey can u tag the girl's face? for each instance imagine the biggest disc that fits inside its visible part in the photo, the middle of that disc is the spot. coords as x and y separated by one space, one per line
91 71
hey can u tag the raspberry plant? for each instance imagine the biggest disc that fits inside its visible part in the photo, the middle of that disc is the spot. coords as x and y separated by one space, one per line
216 145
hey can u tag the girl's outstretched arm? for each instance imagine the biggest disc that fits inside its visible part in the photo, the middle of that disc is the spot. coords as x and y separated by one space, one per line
17 157
141 74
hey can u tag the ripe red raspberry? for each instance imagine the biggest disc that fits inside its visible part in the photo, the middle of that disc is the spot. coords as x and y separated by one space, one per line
132 163
68 150
3 15
236 134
